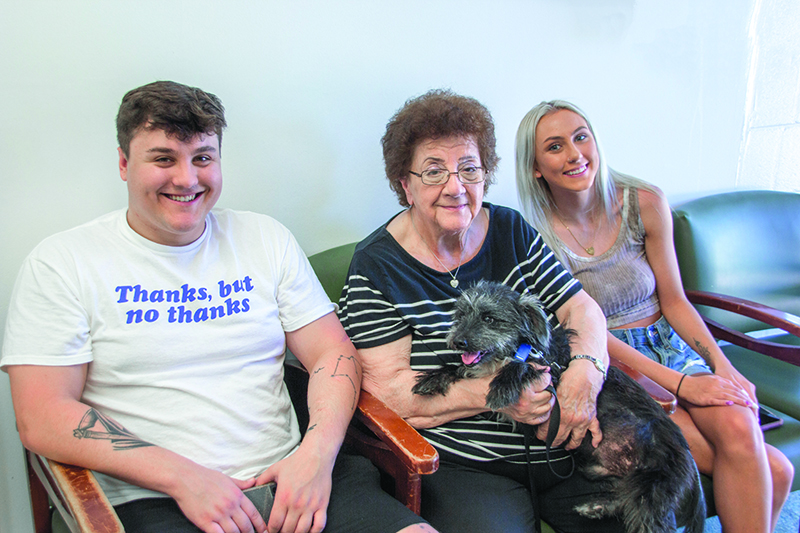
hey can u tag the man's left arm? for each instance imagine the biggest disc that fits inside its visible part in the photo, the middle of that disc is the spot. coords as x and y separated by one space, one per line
581 381
304 478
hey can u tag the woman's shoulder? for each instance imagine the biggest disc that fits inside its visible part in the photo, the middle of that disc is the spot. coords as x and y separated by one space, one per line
651 197
500 215
654 208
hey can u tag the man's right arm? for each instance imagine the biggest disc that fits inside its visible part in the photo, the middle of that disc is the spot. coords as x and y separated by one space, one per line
53 422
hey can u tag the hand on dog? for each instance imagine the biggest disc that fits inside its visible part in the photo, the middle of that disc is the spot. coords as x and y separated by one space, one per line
535 403
577 395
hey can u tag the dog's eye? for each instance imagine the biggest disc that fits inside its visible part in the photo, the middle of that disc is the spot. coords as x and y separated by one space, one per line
488 319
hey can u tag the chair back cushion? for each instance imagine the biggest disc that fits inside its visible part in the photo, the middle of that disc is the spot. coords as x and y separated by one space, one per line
744 244
331 267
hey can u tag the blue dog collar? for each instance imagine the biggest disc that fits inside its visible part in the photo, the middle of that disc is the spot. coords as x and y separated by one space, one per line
523 352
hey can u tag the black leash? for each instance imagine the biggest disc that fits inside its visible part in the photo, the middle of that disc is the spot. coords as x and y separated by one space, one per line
552 431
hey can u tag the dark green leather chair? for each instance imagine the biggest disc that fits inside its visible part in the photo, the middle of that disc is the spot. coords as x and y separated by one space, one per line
739 257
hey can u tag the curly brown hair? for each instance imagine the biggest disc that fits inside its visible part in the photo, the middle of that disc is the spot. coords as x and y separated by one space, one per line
178 109
434 115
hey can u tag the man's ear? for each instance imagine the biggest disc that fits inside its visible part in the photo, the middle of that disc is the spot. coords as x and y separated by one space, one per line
535 318
123 165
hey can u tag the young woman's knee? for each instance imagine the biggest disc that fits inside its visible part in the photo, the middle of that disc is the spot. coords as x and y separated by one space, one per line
782 471
739 430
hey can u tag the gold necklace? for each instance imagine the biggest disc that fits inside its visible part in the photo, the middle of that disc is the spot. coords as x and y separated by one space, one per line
589 250
454 281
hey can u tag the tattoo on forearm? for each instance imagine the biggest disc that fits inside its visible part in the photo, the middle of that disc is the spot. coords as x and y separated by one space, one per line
702 351
107 429
342 369
311 428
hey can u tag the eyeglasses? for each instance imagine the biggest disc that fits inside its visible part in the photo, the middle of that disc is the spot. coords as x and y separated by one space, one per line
437 176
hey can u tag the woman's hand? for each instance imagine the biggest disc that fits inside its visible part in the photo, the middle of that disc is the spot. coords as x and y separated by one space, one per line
535 403
577 395
727 387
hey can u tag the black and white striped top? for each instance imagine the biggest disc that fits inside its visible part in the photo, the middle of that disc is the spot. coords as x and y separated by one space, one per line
389 295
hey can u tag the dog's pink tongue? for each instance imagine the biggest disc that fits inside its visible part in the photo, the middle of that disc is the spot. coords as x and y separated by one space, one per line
470 358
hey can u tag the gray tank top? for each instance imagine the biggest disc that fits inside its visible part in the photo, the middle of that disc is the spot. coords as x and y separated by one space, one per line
620 280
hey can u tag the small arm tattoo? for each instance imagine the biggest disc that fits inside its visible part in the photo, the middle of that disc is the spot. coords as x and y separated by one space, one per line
343 361
341 370
702 351
106 429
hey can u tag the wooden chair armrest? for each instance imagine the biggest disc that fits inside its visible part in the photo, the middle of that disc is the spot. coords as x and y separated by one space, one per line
397 435
662 396
77 495
768 315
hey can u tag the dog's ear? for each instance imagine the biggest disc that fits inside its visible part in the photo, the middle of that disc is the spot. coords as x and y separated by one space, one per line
535 323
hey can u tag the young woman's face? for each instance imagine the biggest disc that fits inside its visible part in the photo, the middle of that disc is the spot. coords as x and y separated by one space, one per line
566 153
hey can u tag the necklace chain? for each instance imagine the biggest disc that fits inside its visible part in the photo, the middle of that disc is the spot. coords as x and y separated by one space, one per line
590 249
454 281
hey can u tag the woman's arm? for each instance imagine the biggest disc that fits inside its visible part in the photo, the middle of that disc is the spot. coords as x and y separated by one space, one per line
682 316
581 382
388 376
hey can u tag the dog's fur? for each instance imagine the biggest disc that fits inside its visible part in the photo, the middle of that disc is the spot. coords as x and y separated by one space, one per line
653 480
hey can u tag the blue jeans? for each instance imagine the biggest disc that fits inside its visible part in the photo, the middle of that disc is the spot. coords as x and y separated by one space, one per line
660 343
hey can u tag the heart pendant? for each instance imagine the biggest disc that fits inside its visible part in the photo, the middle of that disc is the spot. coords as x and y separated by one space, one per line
454 283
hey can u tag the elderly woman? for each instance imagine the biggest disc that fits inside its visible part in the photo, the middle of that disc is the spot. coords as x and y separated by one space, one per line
439 152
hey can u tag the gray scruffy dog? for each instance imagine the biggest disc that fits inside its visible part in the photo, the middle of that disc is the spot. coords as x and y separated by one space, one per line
653 480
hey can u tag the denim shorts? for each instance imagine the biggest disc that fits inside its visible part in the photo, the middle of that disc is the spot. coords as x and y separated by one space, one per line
660 343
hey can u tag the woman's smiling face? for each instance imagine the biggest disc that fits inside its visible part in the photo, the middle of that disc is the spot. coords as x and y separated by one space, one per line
566 152
451 206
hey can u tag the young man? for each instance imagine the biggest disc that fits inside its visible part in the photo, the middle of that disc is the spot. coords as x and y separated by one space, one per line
148 346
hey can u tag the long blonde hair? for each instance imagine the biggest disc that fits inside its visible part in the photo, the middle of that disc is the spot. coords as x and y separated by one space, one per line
534 194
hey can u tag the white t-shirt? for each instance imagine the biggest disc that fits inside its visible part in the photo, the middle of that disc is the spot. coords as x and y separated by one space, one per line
185 345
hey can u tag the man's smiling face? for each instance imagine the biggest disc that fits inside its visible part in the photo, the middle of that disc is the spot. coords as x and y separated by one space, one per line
172 185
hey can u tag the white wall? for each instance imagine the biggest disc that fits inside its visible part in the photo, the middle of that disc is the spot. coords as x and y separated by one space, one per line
770 154
309 86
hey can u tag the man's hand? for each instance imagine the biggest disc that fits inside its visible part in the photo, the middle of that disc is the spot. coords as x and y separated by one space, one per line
302 495
215 503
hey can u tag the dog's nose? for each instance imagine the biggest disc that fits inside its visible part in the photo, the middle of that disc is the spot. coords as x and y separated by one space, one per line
461 344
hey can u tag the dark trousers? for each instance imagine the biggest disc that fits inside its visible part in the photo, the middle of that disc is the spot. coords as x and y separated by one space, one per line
357 504
469 496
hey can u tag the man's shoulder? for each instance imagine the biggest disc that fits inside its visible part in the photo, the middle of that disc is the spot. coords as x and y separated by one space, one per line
236 219
85 234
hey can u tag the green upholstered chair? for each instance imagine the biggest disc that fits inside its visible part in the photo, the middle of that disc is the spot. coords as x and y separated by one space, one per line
739 256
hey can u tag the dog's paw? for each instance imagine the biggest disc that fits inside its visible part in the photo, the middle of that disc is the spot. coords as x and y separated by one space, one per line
499 398
593 510
434 382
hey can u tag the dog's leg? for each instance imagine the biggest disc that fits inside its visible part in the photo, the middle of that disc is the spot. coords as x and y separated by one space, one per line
507 386
437 381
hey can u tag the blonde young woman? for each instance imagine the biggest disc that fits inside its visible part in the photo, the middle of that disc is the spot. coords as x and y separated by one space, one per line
614 233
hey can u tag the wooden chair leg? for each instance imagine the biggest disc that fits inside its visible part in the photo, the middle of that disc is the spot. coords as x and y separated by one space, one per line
409 486
40 503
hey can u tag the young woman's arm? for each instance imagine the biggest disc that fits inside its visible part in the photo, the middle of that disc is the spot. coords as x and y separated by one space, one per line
727 383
